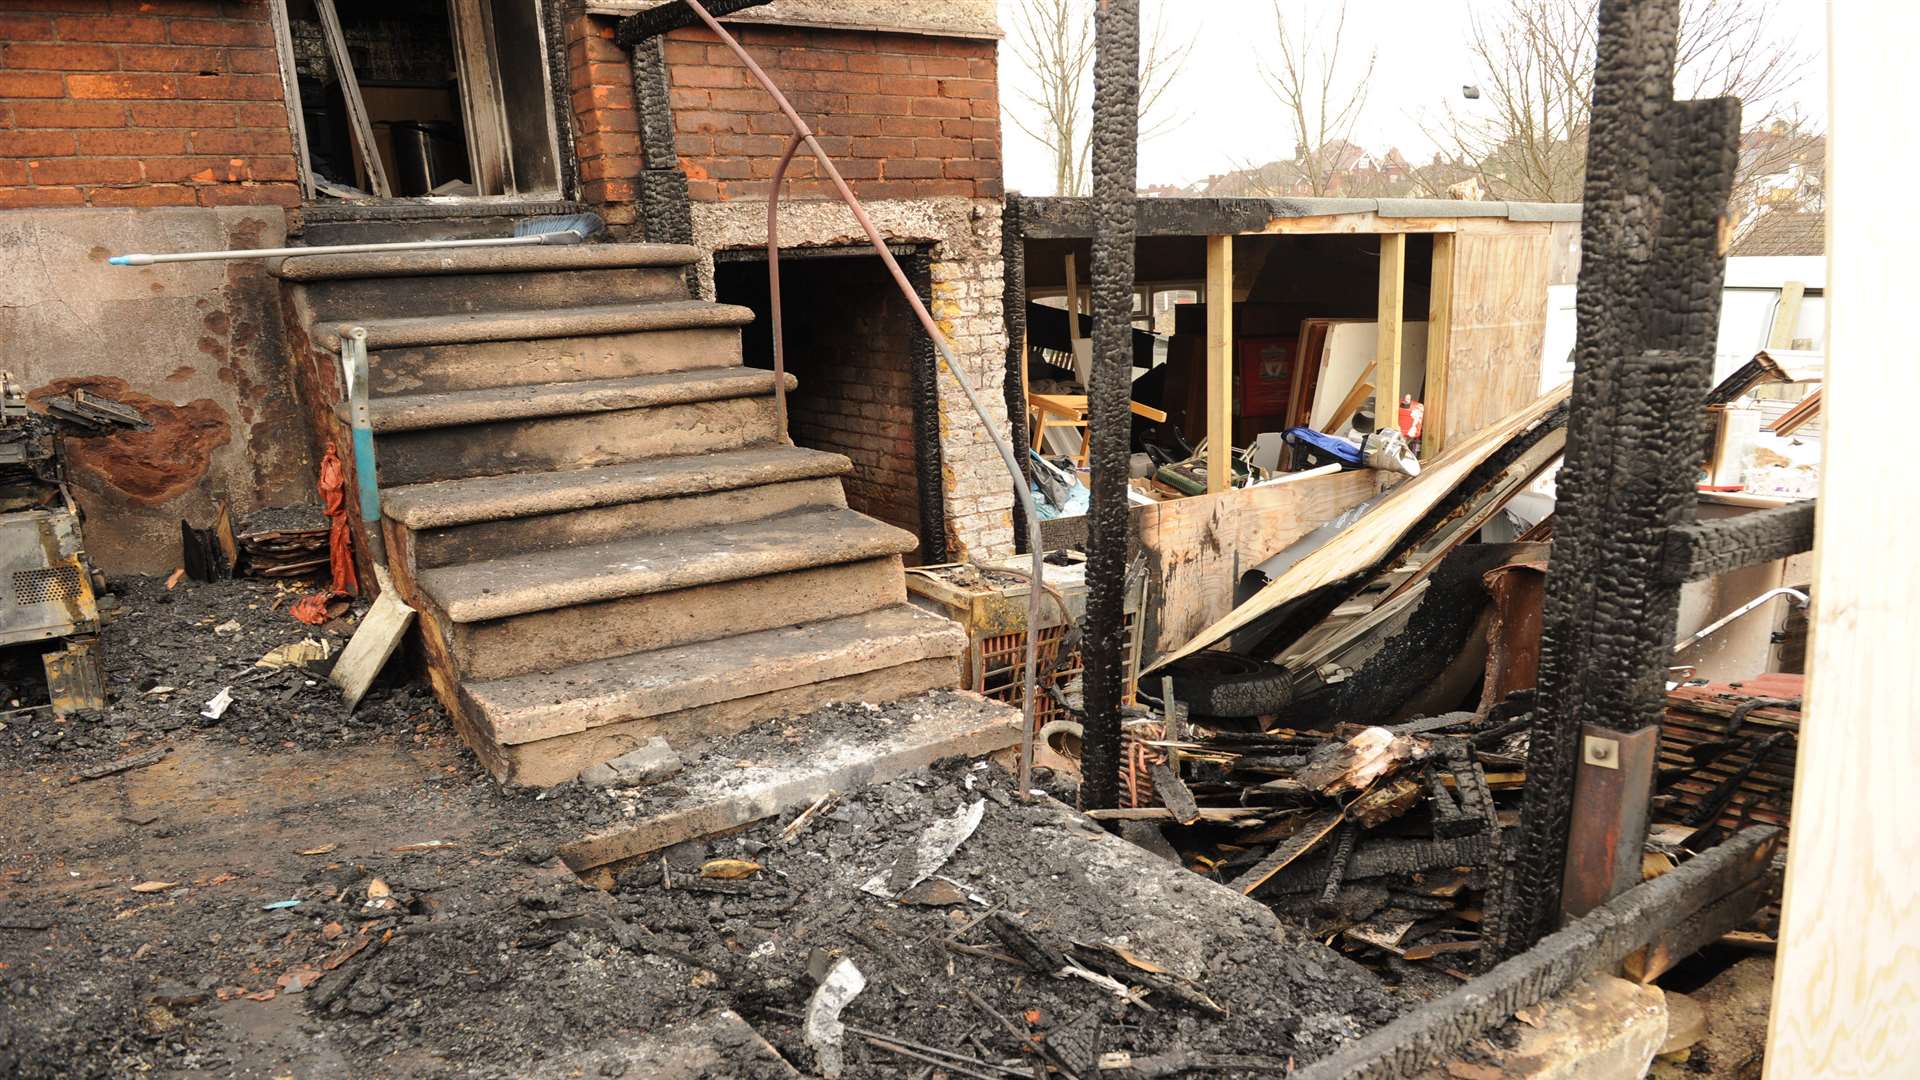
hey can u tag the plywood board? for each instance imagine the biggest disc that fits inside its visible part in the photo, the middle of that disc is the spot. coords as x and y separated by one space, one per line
1846 991
1499 328
1375 535
1349 349
1197 548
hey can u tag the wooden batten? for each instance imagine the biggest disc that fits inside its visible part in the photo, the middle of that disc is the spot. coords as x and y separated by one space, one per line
1439 336
1390 317
1219 363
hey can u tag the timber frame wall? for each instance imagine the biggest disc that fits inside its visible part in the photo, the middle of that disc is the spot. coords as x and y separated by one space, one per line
1492 265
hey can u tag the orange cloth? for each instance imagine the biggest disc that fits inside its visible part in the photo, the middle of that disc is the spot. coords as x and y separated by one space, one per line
333 499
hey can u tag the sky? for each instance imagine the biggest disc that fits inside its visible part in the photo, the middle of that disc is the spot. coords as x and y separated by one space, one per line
1227 118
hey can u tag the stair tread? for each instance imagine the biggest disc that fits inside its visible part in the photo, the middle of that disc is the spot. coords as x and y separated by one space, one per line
516 324
484 260
449 408
527 708
541 581
447 503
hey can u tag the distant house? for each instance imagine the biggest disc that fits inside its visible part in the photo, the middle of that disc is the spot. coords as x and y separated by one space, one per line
1782 232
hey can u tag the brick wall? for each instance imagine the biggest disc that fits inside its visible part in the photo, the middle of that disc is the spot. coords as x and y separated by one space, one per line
903 116
856 383
149 103
606 125
848 338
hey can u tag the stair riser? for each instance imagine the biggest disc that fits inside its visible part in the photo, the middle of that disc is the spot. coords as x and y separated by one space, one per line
548 640
554 761
375 298
573 442
483 365
553 532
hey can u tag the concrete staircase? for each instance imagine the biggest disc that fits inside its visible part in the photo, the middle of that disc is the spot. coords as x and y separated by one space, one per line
588 503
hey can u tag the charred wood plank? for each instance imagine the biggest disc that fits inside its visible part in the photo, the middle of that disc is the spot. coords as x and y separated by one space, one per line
1594 942
1707 549
1470 782
1448 821
1174 794
1022 942
1700 930
1337 865
654 22
1289 849
1393 858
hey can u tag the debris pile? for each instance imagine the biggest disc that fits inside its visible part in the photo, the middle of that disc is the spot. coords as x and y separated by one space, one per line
1378 839
938 922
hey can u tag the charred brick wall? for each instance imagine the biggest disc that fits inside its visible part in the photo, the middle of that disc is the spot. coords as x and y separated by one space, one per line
606 121
160 103
904 116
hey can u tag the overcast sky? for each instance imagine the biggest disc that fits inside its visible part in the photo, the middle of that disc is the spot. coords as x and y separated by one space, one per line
1228 117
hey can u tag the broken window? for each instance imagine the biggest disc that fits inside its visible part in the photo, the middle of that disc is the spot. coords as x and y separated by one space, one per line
412 98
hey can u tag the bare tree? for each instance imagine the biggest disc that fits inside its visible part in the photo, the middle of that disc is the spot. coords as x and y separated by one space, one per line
1054 40
1322 101
1527 134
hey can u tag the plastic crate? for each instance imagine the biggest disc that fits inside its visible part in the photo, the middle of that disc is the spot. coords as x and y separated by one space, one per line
992 608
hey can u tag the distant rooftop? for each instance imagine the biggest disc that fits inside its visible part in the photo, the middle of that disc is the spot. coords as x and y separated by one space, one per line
1783 232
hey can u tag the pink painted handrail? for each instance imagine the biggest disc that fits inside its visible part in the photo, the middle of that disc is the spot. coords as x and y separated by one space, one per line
803 135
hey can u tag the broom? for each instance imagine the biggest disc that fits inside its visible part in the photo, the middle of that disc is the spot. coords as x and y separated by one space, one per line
563 229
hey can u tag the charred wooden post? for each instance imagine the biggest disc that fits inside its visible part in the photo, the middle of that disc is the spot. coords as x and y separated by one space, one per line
1658 176
1116 97
1013 308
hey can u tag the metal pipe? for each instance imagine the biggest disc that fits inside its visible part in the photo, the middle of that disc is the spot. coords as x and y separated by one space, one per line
337 249
802 133
1752 605
773 289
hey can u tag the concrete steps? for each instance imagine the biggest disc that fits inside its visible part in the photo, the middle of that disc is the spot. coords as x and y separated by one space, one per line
488 279
520 324
498 588
418 412
588 502
660 684
459 521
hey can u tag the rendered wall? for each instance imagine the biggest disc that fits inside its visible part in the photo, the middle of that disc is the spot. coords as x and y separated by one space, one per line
198 348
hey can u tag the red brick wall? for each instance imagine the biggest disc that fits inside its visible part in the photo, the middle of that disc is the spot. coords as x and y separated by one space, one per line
607 126
149 103
903 116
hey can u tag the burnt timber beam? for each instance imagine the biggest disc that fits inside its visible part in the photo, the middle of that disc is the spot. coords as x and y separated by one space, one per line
1720 881
676 15
1659 173
666 209
1116 132
1707 549
1013 308
929 462
1069 217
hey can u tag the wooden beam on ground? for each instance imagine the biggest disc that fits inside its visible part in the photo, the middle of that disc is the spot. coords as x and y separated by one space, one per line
1219 363
1439 330
1786 316
1391 317
1846 990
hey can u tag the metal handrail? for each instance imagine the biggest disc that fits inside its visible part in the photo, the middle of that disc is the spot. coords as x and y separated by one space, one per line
803 135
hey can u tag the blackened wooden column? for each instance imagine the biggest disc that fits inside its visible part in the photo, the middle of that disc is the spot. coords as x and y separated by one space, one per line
1116 98
1658 177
